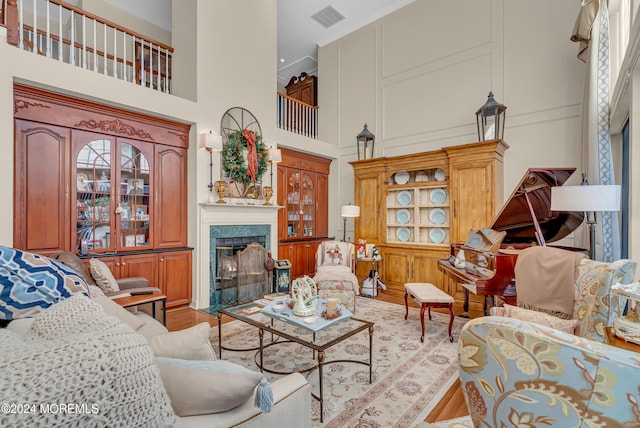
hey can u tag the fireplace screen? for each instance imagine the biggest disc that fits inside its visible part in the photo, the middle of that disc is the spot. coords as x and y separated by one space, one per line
241 273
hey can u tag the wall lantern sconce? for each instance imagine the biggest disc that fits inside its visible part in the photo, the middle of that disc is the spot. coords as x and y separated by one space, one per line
490 118
365 141
213 143
346 212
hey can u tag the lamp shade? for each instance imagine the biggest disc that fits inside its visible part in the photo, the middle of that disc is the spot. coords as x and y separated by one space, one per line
275 155
350 211
211 141
592 198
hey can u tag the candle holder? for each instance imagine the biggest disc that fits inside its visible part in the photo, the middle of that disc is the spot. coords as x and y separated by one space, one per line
221 189
267 192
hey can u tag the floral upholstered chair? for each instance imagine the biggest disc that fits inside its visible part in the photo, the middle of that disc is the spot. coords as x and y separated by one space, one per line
335 265
518 373
591 306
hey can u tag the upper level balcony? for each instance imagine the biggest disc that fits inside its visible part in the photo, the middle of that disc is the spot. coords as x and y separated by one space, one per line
66 33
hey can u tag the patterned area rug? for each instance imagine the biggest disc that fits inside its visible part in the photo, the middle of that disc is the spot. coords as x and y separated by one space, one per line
461 422
409 377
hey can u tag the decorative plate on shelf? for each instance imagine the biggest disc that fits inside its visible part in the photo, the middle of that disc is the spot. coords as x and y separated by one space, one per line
403 216
403 234
475 241
404 197
401 177
437 216
440 174
437 235
438 196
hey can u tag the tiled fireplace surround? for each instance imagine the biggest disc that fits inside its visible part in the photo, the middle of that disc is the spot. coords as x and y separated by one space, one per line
230 220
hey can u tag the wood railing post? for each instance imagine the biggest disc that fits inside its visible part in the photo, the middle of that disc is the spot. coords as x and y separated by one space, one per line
11 15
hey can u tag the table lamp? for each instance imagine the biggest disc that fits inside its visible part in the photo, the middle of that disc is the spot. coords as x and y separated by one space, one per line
588 198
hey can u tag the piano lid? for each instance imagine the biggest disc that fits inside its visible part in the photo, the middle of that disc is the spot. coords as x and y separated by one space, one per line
528 209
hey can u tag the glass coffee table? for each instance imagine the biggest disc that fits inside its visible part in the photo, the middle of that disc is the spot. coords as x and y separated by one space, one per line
286 331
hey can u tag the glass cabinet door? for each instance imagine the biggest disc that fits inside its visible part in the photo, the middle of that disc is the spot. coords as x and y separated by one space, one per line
133 197
94 203
294 210
307 204
112 197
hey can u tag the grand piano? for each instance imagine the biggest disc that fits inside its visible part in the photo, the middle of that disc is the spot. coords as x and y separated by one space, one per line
525 219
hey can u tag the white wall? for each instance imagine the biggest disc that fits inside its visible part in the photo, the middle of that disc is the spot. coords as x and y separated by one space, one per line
234 66
416 77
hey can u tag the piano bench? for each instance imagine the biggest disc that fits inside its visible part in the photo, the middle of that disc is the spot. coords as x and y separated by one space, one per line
427 296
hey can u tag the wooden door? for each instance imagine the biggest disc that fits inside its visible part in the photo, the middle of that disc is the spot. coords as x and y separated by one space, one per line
42 203
134 190
175 277
310 248
368 196
470 195
424 266
322 206
285 252
396 268
94 159
282 201
170 212
144 265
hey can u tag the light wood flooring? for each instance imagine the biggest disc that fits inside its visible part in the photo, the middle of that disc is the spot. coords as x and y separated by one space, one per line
451 406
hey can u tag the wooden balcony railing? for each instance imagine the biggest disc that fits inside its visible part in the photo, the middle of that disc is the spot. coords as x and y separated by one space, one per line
66 33
296 116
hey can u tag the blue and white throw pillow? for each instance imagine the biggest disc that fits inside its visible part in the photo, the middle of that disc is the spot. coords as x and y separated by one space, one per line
30 283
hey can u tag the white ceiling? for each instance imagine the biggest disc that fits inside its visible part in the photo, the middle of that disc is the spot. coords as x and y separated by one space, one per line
299 35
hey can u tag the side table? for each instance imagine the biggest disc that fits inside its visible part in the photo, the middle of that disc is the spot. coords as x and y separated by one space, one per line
375 265
141 299
612 339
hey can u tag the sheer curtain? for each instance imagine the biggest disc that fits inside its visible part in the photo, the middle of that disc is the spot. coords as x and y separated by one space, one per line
592 32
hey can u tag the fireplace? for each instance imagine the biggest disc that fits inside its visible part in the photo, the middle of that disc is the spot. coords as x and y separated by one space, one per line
240 273
237 223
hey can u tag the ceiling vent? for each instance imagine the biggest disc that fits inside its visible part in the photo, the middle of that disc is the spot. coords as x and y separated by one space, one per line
327 17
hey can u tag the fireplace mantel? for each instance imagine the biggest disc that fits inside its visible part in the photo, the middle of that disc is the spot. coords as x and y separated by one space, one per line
215 206
241 214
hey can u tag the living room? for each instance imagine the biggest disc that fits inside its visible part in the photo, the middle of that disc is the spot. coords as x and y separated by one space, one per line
416 77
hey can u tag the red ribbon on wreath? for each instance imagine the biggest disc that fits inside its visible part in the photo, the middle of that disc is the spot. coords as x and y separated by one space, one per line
252 153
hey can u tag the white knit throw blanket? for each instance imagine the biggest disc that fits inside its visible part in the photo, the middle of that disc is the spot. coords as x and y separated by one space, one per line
78 366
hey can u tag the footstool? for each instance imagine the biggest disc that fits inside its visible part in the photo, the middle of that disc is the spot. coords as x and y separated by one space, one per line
428 296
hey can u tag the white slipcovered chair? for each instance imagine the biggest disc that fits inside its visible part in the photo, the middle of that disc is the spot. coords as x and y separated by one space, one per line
335 277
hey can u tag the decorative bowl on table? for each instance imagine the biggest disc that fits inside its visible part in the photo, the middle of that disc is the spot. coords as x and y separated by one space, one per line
279 307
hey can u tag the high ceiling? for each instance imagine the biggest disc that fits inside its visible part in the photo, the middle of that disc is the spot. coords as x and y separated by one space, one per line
299 34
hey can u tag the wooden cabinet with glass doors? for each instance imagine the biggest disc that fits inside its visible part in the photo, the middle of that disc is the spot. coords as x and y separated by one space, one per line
303 221
111 183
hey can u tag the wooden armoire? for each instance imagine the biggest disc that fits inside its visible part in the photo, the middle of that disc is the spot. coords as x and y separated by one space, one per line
412 207
103 182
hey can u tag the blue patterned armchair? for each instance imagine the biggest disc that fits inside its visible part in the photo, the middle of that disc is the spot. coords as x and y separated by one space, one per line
517 373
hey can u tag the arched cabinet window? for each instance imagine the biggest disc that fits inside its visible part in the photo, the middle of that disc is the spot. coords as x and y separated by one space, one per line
112 198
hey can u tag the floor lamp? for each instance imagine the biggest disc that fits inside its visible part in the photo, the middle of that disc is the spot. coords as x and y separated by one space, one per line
587 198
346 212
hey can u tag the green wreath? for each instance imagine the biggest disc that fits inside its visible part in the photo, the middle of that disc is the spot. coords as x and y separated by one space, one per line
233 161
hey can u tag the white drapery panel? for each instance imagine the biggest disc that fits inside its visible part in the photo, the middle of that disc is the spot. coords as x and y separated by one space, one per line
592 31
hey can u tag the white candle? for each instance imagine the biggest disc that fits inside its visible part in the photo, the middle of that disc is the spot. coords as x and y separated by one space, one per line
332 306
